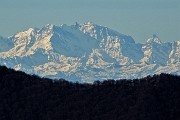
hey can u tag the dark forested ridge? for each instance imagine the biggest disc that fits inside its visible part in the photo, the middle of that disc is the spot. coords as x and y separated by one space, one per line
29 97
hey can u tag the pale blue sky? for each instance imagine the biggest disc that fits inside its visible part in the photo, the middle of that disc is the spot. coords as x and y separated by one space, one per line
138 18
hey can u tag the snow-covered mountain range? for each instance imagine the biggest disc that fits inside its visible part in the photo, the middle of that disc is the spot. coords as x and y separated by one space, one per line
87 52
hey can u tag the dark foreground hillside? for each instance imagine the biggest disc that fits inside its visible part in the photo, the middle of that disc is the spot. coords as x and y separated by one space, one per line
26 97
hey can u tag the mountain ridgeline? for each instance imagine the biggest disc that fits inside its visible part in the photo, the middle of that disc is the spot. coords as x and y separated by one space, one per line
29 97
87 52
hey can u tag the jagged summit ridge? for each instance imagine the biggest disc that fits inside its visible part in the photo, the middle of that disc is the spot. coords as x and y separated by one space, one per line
154 39
87 52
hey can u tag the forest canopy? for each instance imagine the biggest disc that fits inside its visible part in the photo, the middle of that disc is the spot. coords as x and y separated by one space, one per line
29 97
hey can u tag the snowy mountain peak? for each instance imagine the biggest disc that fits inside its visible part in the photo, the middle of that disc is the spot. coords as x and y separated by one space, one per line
87 52
154 39
48 28
25 33
30 30
103 33
89 23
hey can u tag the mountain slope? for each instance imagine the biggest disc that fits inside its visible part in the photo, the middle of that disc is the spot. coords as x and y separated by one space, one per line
156 52
87 52
175 53
6 44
